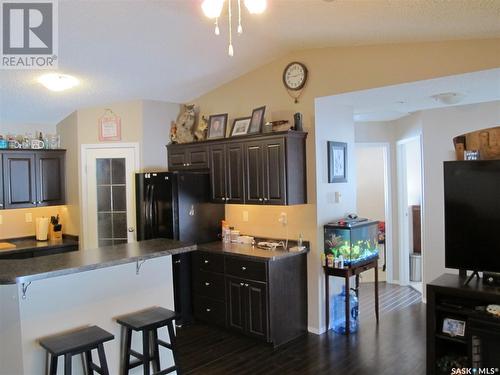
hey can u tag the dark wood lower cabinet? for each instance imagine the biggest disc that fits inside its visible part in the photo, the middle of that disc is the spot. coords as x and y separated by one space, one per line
262 297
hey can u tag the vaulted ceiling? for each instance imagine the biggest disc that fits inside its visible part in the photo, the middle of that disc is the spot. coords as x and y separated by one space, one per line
166 50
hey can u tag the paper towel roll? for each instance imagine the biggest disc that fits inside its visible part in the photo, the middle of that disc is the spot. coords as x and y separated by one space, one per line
42 228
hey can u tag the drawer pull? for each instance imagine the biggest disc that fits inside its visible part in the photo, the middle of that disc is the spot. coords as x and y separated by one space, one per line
206 261
207 284
208 310
243 268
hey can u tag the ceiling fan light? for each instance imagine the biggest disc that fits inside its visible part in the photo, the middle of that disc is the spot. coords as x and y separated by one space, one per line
256 6
212 8
58 82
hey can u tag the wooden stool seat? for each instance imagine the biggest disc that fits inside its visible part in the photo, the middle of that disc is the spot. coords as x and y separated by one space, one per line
82 341
147 319
148 322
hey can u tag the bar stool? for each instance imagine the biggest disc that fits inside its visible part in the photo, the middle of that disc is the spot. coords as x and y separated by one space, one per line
73 343
148 322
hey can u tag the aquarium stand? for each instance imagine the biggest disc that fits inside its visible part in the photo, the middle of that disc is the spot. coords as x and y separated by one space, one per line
346 273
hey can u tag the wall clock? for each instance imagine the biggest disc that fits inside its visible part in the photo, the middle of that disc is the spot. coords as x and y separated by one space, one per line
294 79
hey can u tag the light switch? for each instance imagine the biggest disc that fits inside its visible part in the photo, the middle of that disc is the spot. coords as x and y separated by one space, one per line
29 217
338 197
245 216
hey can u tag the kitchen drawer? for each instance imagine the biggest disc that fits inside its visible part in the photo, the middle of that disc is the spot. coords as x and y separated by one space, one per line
246 269
209 310
209 284
209 262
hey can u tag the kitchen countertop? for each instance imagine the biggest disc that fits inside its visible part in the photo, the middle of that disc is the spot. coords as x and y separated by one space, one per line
29 244
248 251
14 271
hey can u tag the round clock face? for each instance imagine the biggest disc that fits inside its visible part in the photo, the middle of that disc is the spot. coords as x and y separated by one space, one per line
295 76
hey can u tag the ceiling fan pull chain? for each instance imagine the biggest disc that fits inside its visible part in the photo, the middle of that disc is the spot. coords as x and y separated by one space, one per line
230 50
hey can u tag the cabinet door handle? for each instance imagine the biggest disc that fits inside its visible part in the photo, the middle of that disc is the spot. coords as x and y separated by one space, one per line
33 203
207 284
1 205
177 261
260 199
246 285
206 261
223 198
243 268
208 310
242 284
265 199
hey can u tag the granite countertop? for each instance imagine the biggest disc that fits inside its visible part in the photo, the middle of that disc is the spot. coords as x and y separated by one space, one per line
248 251
14 271
28 244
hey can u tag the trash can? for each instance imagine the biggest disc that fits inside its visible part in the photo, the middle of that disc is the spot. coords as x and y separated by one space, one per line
415 267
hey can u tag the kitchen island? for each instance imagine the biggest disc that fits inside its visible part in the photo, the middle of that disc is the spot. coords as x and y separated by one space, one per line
47 295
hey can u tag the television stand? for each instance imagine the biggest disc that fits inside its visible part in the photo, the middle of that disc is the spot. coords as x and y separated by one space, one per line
469 279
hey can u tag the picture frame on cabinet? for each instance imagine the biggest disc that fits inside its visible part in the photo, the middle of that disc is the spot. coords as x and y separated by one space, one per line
240 126
257 120
454 327
337 162
217 126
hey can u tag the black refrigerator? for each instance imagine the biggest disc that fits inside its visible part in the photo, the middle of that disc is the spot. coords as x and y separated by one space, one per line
177 205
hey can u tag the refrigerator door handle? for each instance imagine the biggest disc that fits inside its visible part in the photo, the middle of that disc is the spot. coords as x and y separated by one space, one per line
154 213
147 220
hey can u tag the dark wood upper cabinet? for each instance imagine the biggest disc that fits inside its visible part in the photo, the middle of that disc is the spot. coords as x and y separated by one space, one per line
50 178
32 178
218 172
254 169
235 173
19 179
182 157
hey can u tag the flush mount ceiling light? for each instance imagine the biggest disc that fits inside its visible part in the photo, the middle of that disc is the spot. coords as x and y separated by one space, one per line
58 82
213 9
448 98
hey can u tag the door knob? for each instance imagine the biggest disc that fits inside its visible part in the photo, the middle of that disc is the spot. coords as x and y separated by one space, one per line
131 229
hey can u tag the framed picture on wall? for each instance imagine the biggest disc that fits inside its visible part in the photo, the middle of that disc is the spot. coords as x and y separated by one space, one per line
337 162
110 127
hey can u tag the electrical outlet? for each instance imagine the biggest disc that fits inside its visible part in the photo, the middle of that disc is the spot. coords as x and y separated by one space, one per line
283 218
245 216
29 217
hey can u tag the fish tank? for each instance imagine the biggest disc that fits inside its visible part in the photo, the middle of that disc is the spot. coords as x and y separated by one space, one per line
356 241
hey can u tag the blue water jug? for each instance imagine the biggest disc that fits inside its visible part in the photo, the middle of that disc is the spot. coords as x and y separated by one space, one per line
339 325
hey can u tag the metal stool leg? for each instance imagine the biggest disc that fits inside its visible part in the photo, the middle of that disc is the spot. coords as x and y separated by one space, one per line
102 360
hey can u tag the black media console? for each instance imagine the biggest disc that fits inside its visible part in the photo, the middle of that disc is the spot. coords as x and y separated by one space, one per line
479 346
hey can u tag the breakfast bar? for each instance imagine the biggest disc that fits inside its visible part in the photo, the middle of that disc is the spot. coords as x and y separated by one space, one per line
48 295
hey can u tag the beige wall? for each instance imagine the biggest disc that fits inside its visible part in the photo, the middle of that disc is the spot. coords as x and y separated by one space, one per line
14 221
370 190
333 71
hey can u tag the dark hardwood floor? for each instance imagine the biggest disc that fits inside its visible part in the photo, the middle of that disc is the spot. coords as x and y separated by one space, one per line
396 346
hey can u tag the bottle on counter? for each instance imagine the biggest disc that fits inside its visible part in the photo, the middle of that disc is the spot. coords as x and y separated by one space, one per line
226 233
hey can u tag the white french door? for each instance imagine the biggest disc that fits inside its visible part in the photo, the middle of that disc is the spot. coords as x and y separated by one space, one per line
108 202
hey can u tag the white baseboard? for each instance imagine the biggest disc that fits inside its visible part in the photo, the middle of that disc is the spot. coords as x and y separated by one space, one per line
316 331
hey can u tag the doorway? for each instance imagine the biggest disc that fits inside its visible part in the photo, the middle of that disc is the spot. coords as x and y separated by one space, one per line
373 200
409 167
108 194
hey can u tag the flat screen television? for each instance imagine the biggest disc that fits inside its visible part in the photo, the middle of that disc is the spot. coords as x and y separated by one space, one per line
472 215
